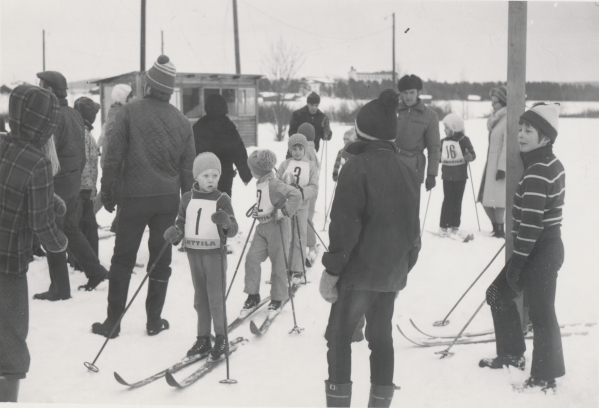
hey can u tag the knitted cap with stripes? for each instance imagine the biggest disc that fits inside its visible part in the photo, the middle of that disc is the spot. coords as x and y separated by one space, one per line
162 75
545 116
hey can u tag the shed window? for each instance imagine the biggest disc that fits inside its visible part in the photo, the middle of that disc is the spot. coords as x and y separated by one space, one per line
191 103
247 102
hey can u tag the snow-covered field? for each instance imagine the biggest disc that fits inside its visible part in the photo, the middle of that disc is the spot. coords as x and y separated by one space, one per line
289 370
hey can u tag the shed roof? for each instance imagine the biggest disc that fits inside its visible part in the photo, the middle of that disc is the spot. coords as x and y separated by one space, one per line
189 75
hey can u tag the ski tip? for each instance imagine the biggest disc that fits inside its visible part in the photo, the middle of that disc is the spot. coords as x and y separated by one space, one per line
254 329
120 379
171 380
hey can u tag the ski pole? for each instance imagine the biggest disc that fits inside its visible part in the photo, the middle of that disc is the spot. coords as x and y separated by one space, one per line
426 212
474 196
320 239
223 270
444 322
446 353
240 258
326 215
325 181
295 329
301 249
91 366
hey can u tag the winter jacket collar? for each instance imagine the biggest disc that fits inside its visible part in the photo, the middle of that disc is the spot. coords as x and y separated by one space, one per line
418 106
305 109
266 177
197 193
537 155
363 146
496 117
455 137
63 102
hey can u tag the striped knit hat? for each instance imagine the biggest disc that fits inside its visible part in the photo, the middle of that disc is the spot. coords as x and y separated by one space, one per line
298 139
162 75
205 161
544 116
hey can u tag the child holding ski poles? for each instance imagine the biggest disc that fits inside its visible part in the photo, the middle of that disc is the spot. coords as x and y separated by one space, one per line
202 211
303 174
456 153
343 156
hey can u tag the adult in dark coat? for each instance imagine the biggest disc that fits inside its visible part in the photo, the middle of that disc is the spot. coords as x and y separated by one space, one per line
69 138
215 133
152 145
312 115
374 236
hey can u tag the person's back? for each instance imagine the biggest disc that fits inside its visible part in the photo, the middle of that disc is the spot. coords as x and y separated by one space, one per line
70 148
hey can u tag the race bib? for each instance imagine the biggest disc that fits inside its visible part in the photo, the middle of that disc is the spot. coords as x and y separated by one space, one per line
452 153
263 205
300 170
200 231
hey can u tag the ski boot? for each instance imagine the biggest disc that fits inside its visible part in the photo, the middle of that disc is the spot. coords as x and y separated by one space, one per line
201 346
443 233
499 362
296 277
274 308
218 351
250 305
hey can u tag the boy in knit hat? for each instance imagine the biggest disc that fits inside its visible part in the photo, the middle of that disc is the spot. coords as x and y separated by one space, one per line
202 213
301 173
456 153
343 156
538 255
276 202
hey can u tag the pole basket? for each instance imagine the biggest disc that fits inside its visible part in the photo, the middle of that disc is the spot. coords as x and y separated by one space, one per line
228 381
296 330
441 323
444 353
91 367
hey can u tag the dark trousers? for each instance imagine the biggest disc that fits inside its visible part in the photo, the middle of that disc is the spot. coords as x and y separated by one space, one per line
345 314
451 211
539 280
14 325
87 224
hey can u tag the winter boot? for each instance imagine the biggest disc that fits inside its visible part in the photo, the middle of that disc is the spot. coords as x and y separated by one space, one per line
60 287
380 395
443 232
308 263
218 351
296 278
201 346
274 308
94 281
154 305
537 384
250 305
455 231
499 232
338 395
9 389
499 362
494 229
117 300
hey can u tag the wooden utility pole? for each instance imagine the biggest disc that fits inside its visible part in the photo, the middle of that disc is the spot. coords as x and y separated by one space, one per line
236 30
161 42
142 63
43 50
393 50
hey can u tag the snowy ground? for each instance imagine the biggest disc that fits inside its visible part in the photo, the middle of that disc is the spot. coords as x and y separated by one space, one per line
289 370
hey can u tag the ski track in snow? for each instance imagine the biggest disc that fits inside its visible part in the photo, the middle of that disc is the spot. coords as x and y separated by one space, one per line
289 370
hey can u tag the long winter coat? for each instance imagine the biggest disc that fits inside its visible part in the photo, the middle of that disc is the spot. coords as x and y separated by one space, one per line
217 134
374 231
70 149
492 191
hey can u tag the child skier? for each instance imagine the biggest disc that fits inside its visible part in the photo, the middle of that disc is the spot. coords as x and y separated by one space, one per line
202 212
456 153
343 156
538 255
303 175
276 201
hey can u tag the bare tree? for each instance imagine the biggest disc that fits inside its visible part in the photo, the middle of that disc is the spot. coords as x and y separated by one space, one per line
281 65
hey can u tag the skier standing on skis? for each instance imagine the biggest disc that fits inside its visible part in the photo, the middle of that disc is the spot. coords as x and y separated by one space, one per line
202 211
152 144
375 242
538 255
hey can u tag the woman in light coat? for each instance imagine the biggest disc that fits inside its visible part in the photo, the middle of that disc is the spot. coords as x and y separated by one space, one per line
492 187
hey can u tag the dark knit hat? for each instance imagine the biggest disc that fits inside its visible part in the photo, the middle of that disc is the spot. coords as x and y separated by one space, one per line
262 162
500 92
313 98
307 130
88 110
56 80
298 139
162 75
545 116
33 114
409 82
378 119
216 105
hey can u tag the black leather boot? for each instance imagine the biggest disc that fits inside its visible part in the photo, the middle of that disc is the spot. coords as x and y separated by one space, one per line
154 305
117 300
380 395
338 395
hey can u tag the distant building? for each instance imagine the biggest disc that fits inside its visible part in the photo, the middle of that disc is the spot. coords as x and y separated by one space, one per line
474 97
322 86
379 76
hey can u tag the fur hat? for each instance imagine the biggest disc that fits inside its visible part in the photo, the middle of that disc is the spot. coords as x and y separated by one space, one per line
545 116
298 139
407 82
205 161
313 98
88 110
454 122
56 80
500 92
262 162
119 93
378 119
307 130
162 75
216 105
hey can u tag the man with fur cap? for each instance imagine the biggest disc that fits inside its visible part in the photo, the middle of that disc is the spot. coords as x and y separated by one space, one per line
312 115
417 129
69 138
152 145
374 238
26 208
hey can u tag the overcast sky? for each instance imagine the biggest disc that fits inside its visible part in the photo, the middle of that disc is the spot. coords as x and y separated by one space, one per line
444 41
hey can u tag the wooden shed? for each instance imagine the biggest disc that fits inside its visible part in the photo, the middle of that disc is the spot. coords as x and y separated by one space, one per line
192 89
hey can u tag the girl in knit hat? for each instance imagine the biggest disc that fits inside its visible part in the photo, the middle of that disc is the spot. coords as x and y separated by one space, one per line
302 174
276 201
538 256
202 212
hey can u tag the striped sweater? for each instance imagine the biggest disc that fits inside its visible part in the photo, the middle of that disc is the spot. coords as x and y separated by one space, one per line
538 202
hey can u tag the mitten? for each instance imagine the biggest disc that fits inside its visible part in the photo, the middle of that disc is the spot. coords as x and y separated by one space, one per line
221 218
60 208
468 157
288 178
173 235
335 177
328 287
430 182
500 175
106 198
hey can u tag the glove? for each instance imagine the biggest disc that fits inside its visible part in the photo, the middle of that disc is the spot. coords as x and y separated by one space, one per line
60 208
173 235
107 200
500 175
468 157
279 216
221 218
288 178
328 287
430 182
513 274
